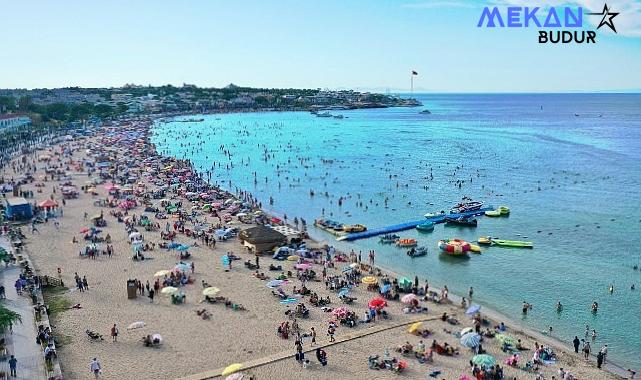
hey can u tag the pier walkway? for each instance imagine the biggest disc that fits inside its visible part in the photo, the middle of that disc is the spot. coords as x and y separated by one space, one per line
217 373
410 225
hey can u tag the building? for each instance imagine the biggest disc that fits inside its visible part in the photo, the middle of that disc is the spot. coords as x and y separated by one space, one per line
13 120
261 238
18 209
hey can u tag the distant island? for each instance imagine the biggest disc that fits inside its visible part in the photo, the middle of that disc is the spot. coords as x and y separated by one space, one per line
74 104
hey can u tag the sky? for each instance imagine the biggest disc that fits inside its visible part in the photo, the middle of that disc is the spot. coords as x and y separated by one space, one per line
335 44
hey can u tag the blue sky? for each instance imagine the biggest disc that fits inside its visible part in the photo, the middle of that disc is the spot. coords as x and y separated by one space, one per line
329 44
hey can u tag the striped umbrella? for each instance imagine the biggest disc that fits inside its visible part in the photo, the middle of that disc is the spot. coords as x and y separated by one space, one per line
471 340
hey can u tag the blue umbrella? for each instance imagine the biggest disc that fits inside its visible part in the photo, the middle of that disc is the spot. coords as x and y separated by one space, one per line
471 340
473 309
386 288
343 293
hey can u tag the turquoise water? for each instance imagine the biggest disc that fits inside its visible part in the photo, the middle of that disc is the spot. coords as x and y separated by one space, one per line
571 182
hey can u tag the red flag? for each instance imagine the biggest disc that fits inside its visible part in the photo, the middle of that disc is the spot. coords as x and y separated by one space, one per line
414 72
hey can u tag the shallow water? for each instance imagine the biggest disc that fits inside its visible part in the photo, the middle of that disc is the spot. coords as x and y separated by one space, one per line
571 182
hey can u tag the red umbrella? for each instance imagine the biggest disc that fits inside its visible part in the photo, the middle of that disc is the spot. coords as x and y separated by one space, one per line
377 303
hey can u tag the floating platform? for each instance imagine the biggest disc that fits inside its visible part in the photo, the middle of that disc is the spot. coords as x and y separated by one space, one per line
410 225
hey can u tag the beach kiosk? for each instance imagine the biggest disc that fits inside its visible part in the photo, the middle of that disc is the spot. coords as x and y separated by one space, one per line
261 238
18 209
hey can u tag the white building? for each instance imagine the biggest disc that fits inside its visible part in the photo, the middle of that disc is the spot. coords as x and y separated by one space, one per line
13 120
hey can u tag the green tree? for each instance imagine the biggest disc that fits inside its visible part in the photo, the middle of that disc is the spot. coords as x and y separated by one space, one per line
8 318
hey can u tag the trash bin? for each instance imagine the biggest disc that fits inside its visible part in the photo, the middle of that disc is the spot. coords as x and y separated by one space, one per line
132 289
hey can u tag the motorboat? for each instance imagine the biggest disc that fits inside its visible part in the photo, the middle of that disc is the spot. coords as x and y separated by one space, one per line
461 221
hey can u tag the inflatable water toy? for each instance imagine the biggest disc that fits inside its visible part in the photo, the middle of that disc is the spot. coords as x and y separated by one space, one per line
407 242
417 252
501 211
475 248
486 240
454 247
425 227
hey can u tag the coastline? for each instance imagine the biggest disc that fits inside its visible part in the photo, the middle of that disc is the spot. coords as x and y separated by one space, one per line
493 315
252 331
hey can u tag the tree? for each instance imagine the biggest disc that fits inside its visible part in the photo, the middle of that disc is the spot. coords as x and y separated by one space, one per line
8 318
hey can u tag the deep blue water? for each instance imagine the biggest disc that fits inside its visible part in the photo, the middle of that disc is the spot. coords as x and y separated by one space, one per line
567 165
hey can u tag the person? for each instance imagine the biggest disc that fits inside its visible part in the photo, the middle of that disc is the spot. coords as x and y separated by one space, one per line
576 343
470 293
114 333
95 367
604 351
599 360
330 331
313 335
586 349
13 362
321 355
151 295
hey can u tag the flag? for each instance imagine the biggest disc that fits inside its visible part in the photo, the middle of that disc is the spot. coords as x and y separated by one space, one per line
414 72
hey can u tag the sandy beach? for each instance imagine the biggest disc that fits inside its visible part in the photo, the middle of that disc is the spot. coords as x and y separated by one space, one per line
191 344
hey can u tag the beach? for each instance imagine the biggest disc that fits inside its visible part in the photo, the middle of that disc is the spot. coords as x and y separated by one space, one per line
191 344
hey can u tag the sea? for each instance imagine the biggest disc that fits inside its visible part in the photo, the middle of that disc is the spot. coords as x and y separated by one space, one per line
567 165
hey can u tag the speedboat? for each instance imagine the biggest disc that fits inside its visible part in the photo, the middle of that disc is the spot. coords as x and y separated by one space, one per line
417 252
407 242
466 207
389 238
354 228
461 221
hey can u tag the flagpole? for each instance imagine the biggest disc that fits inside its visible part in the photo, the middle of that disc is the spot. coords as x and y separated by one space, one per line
411 82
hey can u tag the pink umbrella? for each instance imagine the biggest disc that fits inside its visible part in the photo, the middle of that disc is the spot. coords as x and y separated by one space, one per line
409 298
303 266
377 303
339 311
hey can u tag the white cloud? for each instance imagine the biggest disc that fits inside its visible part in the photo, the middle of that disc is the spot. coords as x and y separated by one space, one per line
627 22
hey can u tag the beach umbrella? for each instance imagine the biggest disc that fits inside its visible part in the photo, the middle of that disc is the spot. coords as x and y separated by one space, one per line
486 361
409 298
339 311
343 293
386 288
210 291
303 266
369 280
136 325
183 267
403 282
275 283
136 246
414 326
471 340
157 338
505 339
162 273
473 309
377 303
168 290
231 369
134 235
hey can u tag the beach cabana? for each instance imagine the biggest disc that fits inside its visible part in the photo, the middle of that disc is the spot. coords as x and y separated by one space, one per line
49 203
261 238
18 209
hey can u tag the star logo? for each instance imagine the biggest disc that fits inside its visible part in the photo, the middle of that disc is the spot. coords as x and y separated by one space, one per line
607 18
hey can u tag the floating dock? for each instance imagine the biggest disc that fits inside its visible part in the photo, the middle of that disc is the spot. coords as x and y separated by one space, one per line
410 225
